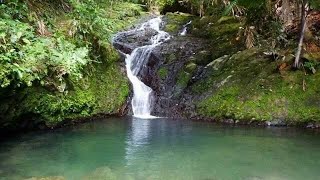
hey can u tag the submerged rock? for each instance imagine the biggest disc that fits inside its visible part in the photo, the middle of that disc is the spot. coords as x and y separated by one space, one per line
101 173
276 122
313 125
47 178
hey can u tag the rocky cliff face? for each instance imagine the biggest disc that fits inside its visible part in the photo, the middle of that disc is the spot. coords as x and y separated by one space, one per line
210 75
176 65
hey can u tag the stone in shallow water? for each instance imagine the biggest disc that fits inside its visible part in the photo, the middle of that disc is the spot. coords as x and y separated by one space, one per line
101 173
47 178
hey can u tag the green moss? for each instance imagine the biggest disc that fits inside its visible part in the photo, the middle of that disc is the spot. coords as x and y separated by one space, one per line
221 33
255 90
227 19
172 28
202 58
191 67
175 21
312 56
54 108
170 58
105 90
185 75
163 72
183 78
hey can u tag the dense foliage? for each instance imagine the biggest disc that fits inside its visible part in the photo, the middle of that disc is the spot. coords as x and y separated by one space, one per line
40 45
57 61
26 58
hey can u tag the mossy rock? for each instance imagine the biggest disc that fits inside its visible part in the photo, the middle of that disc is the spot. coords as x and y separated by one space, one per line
217 63
223 35
202 58
183 78
170 58
191 67
208 26
175 21
185 75
163 73
253 89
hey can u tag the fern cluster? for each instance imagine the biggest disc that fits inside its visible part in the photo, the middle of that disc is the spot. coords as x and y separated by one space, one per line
46 42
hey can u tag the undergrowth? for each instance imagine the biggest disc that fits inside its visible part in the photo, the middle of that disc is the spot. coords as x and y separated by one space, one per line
57 61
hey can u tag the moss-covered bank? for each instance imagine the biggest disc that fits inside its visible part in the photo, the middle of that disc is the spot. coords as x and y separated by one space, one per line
103 90
100 87
249 86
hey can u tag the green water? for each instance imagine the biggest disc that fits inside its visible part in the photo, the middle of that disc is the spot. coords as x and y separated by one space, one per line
136 149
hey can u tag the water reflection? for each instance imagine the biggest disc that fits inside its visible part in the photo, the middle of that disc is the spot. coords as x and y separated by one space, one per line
148 137
138 135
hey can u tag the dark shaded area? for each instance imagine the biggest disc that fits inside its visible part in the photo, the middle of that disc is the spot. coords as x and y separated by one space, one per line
177 7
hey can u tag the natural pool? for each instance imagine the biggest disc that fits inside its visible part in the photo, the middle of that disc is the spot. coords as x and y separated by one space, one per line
129 148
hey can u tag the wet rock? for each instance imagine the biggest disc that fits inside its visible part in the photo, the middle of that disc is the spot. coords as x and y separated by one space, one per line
255 178
175 71
228 121
191 67
276 122
175 22
127 41
170 68
47 178
216 64
203 57
101 173
313 125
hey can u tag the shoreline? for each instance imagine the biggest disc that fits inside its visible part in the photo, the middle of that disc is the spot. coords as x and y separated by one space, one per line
7 134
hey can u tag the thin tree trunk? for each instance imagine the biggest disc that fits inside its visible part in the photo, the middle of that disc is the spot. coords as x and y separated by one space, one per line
303 29
201 9
286 9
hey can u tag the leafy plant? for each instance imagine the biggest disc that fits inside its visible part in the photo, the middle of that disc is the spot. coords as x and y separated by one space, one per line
13 9
26 58
311 65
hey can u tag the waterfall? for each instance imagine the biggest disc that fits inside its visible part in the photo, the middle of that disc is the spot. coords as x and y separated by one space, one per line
142 100
185 28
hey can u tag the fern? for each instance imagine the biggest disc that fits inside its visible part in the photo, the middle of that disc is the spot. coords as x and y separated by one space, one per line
230 7
26 58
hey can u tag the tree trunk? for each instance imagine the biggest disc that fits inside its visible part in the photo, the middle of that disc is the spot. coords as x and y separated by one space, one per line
302 31
201 9
286 9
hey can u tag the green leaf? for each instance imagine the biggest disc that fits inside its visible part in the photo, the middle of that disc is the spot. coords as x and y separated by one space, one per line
20 74
14 38
25 40
2 35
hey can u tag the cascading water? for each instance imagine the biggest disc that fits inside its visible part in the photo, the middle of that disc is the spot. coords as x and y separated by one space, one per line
185 28
143 95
